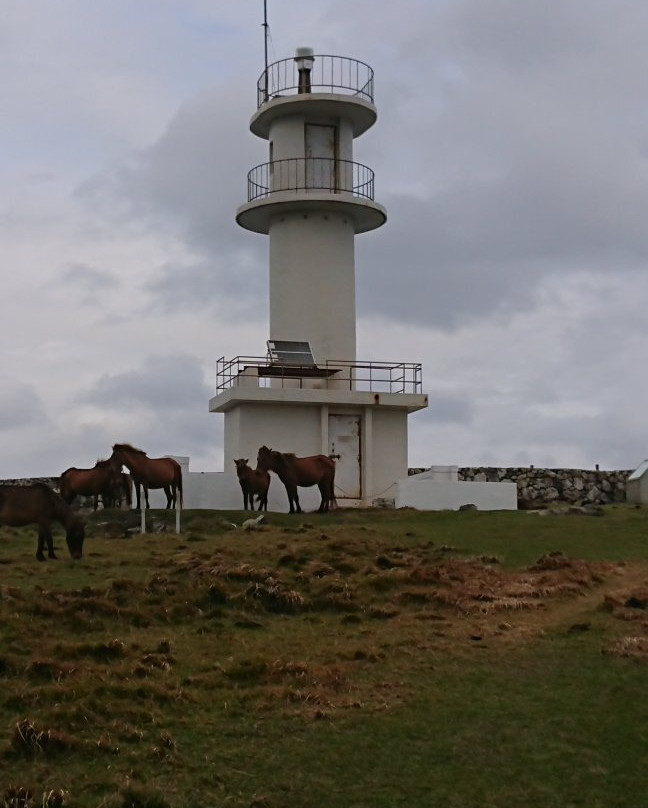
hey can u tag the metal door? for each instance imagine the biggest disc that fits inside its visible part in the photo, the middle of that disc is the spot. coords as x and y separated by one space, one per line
344 440
320 156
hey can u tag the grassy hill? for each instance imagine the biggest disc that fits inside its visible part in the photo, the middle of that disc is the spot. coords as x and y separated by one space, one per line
359 659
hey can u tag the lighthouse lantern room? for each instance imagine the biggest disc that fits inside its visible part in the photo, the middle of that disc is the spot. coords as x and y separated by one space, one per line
308 393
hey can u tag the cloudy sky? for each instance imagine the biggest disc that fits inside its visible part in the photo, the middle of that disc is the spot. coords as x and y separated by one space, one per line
511 153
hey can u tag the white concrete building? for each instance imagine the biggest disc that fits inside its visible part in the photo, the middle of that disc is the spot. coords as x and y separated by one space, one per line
308 393
637 485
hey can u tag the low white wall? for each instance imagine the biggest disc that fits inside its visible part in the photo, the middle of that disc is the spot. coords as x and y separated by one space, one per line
221 491
433 490
438 473
439 495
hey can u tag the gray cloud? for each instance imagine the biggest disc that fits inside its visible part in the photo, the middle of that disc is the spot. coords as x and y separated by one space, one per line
510 152
20 406
163 384
87 279
238 290
167 401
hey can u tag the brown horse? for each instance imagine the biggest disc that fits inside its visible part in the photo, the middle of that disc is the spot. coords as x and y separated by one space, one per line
252 481
150 472
296 471
101 480
38 504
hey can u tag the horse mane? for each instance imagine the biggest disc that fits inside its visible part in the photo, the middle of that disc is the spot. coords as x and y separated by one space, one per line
283 458
126 447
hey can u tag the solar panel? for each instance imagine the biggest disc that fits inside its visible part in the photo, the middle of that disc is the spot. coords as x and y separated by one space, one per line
290 352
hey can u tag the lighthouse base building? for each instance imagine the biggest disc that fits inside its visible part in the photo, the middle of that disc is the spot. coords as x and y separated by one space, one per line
364 431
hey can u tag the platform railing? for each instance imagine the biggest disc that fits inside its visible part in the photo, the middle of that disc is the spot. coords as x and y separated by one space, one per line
329 74
311 174
359 376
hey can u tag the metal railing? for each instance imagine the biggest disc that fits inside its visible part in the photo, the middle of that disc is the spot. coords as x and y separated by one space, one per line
329 74
311 174
360 376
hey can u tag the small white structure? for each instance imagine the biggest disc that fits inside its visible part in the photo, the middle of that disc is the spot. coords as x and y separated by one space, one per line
438 489
309 394
637 485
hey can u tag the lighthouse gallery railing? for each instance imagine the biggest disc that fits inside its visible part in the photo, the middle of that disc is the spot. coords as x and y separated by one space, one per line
311 174
329 74
371 377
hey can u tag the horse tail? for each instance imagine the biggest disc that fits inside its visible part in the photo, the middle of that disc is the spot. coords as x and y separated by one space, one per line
179 486
333 501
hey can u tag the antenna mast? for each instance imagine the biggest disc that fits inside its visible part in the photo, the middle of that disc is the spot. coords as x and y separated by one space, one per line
265 48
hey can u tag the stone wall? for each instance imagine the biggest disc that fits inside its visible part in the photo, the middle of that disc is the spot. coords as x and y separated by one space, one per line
541 487
53 482
536 487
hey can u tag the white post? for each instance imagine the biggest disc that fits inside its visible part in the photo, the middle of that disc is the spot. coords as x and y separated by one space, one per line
142 520
177 516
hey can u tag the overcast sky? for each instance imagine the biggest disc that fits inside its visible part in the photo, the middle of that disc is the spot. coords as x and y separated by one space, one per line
511 154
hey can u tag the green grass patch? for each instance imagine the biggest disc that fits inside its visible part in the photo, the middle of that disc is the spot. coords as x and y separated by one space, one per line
359 658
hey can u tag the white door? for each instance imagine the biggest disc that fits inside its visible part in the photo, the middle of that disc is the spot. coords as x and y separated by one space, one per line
344 441
320 156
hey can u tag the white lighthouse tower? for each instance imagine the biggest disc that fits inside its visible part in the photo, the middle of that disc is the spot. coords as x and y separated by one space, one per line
309 393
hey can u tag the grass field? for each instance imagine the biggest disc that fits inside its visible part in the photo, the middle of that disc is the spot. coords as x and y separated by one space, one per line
362 659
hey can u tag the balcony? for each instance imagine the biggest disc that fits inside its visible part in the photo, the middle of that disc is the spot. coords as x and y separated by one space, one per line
311 174
329 74
364 377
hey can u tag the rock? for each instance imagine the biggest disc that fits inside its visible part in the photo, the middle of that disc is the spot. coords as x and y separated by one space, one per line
386 503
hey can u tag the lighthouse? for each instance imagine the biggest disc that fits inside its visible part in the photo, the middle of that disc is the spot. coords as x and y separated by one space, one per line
308 392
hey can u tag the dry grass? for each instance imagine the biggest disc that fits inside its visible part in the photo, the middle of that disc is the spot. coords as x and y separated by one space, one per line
132 666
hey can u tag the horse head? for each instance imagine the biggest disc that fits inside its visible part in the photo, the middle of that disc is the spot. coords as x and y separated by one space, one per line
122 449
264 458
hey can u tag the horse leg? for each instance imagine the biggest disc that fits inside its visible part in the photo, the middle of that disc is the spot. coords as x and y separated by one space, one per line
169 496
146 500
45 538
293 497
324 492
40 555
137 494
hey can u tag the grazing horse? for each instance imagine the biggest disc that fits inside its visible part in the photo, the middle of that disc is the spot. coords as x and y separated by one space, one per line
150 472
252 481
102 480
296 471
38 504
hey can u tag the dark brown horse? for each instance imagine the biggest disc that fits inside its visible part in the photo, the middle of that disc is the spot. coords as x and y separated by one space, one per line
296 471
101 480
150 472
120 491
38 504
252 481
